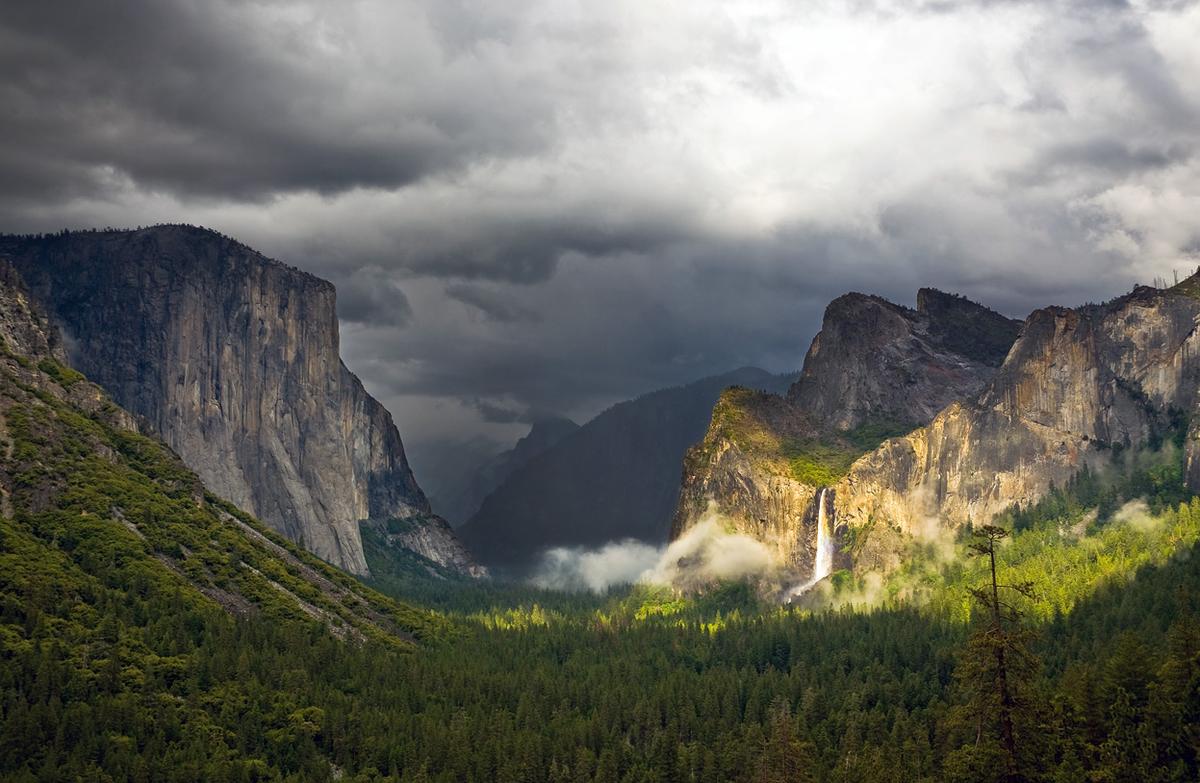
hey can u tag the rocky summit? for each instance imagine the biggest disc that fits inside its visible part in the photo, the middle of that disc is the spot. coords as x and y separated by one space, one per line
913 423
232 359
1079 387
876 370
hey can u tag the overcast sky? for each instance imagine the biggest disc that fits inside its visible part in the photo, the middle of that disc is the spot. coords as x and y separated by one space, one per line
546 206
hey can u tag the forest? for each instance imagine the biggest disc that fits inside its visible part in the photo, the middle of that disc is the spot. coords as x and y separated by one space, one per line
103 678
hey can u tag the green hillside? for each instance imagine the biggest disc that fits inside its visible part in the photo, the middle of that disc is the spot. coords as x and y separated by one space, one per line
777 436
149 630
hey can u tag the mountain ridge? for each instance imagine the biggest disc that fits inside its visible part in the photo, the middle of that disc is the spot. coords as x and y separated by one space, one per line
459 496
874 371
615 477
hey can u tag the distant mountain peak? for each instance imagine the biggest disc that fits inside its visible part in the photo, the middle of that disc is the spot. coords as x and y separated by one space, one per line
462 486
615 477
549 428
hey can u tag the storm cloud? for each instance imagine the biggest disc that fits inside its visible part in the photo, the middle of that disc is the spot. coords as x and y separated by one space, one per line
536 206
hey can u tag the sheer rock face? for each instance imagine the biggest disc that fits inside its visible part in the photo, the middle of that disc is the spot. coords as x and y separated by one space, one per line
432 538
24 328
232 359
1076 384
874 359
29 337
739 471
874 364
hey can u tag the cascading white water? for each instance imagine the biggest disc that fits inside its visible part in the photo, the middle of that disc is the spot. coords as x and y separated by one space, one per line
823 562
823 557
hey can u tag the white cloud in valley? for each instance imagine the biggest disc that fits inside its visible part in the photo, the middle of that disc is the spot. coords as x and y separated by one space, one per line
707 552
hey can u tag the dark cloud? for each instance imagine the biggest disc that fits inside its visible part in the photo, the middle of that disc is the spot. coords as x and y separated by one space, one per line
507 412
236 100
499 414
372 296
493 304
529 250
1106 156
533 206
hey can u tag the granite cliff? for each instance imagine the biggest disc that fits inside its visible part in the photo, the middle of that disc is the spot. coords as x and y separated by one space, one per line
876 370
88 504
232 359
1079 386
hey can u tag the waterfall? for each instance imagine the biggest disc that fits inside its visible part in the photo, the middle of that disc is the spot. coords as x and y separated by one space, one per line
823 562
823 557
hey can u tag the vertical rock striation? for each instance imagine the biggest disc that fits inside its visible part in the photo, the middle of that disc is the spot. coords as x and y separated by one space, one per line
1077 385
232 359
24 329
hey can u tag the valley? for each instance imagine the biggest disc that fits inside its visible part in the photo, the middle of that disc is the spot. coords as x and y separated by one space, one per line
815 621
411 391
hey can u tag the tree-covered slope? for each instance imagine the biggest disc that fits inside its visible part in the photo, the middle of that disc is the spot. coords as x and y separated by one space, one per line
145 624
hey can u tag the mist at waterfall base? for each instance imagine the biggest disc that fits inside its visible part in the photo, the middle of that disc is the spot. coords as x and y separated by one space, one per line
705 554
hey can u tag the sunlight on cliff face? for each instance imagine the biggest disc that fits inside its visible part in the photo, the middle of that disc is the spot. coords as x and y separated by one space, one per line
823 557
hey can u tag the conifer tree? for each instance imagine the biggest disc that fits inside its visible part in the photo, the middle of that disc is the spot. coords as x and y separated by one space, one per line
996 667
785 757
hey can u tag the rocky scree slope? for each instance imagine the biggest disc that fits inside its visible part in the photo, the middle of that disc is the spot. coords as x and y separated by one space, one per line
232 359
875 370
90 508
